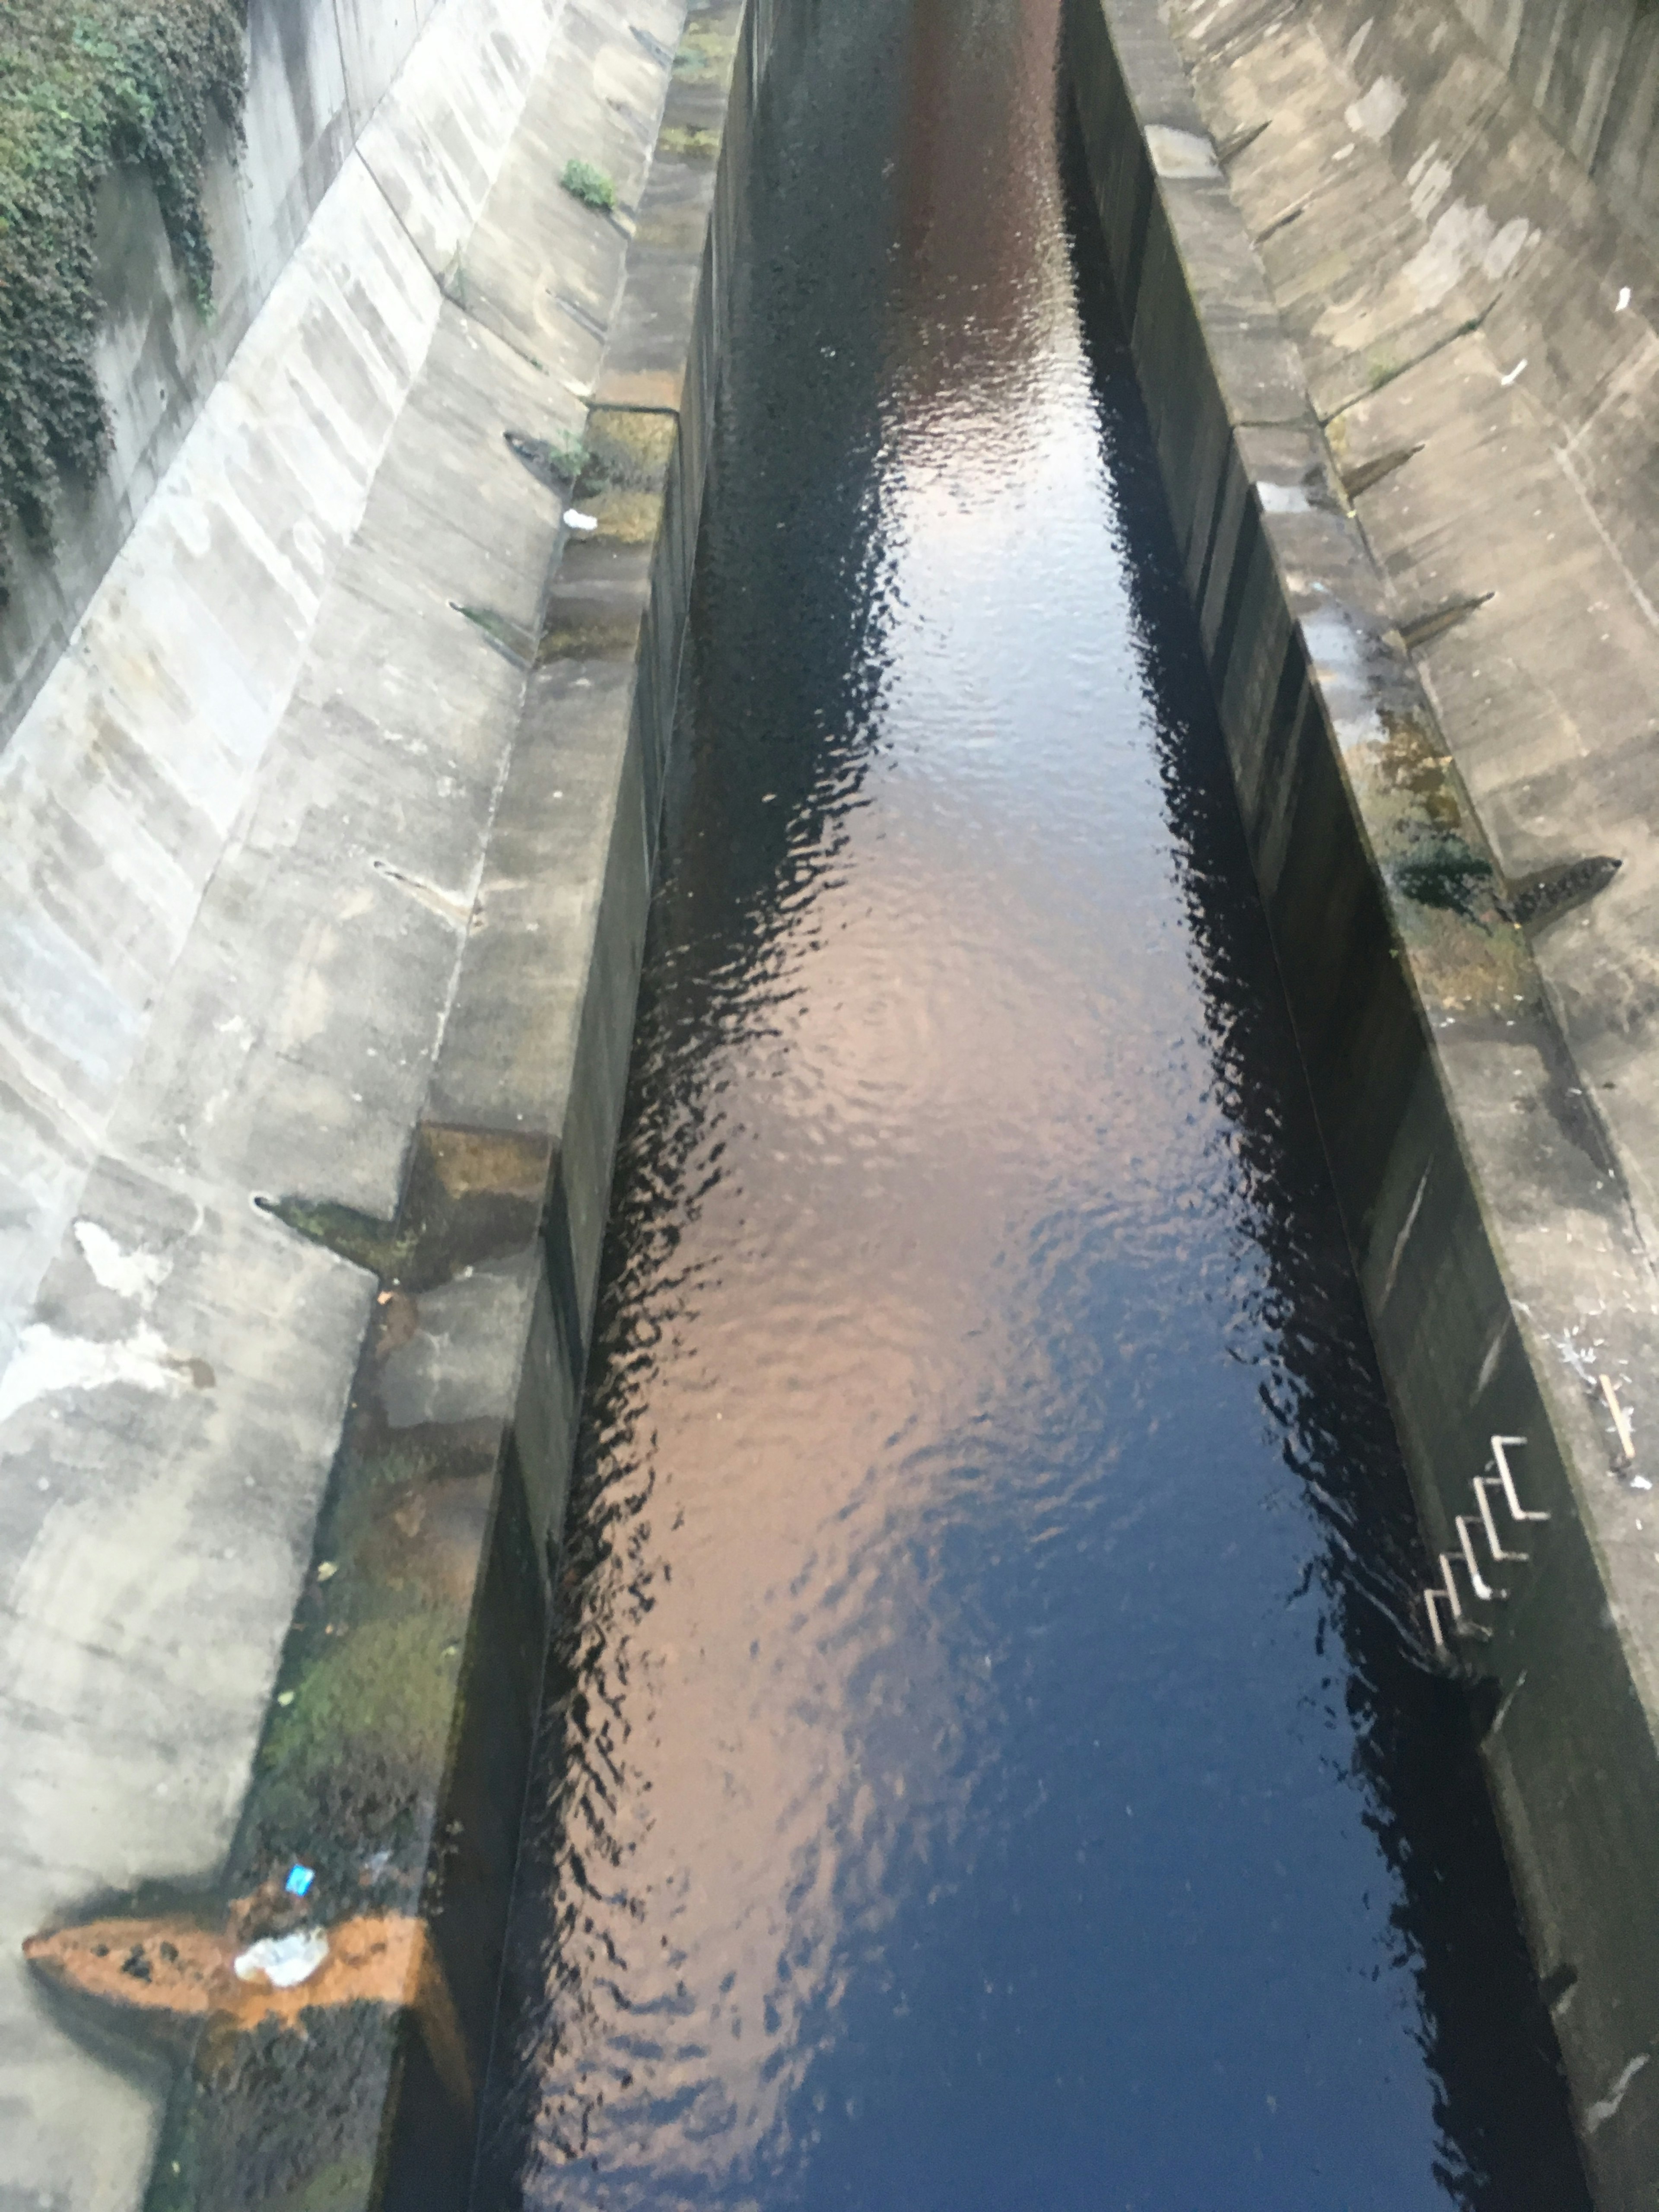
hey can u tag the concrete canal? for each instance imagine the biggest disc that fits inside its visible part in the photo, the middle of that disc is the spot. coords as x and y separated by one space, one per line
990 1758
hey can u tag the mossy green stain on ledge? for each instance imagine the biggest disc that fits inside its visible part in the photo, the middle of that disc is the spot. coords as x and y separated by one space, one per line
589 634
381 1690
85 86
382 1246
469 1196
353 1773
590 184
707 46
1446 893
686 142
628 448
1445 872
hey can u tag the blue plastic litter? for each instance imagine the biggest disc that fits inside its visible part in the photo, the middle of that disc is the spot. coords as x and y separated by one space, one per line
299 1879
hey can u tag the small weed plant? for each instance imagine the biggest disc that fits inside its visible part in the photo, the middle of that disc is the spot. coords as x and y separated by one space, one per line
590 186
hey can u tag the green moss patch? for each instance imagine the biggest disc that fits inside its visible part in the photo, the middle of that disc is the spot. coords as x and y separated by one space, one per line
629 449
1445 872
86 86
384 1248
689 144
383 1693
707 45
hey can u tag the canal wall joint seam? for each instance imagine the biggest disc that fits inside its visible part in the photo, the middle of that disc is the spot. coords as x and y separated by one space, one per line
1501 1255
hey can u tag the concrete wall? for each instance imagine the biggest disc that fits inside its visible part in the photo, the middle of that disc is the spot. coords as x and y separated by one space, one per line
285 1435
474 1355
246 818
317 70
1465 298
1504 1260
125 781
1591 69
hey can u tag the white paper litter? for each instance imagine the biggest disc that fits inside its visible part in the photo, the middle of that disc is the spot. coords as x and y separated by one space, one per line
284 1961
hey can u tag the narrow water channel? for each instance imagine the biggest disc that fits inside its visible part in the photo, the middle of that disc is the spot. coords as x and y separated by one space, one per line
988 1763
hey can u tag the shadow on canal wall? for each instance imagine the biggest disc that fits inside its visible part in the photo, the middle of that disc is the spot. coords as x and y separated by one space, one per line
1434 1821
1447 1098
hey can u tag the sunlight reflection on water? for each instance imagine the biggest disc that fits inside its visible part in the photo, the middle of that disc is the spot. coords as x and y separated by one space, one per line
988 1763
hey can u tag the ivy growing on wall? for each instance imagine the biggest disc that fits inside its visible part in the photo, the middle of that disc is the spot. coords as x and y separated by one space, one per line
85 85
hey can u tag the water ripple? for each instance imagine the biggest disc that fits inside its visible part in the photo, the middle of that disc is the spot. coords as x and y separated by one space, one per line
988 1761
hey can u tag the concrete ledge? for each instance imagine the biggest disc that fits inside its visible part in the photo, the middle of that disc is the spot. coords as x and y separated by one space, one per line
1488 1216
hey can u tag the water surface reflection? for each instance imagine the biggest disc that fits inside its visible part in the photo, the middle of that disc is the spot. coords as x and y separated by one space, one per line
986 1762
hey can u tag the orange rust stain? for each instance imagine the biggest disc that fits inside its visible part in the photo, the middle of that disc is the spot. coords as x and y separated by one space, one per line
175 1970
173 1966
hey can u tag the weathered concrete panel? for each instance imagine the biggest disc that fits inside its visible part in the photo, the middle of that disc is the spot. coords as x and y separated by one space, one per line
246 826
157 359
1590 69
305 1360
128 775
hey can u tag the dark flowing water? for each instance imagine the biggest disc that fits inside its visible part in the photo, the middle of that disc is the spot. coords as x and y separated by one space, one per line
989 1763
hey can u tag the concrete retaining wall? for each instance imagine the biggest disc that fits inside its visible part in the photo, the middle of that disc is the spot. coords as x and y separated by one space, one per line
285 1433
317 71
1500 1253
1591 69
132 774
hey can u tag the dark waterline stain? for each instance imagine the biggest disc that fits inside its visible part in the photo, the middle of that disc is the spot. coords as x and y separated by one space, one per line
988 1760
